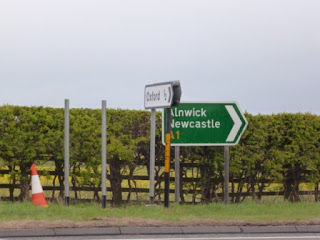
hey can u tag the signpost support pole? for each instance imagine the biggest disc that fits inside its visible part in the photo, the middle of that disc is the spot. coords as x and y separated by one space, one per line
152 154
161 95
66 151
177 173
104 154
167 160
226 174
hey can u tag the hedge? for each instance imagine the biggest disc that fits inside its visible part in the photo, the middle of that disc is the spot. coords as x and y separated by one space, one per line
282 148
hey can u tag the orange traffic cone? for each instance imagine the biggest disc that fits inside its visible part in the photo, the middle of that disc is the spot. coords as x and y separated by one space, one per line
37 192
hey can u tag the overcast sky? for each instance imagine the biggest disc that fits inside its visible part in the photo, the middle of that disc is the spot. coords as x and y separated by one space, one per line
265 55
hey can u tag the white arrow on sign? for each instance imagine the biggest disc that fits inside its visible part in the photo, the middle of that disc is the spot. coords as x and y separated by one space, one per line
237 123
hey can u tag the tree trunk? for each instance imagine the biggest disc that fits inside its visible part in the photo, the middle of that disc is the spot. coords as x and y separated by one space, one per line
181 186
24 183
96 193
115 180
13 183
261 188
232 188
74 186
59 172
54 187
252 188
130 178
206 174
239 192
291 186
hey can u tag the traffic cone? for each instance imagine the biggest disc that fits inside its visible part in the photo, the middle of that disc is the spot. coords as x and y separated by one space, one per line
37 192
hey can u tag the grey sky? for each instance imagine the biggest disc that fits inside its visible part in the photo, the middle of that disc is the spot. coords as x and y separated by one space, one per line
263 54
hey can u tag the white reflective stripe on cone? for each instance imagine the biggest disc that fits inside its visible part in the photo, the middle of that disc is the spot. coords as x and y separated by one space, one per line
36 186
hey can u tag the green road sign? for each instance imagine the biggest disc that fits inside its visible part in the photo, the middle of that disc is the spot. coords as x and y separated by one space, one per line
205 124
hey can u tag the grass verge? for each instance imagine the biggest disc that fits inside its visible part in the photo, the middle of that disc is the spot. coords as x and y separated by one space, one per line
247 211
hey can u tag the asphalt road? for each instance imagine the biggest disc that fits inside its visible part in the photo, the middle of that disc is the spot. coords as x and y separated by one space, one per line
282 236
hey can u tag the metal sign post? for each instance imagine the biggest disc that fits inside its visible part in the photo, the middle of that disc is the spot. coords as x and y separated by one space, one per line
161 95
152 154
226 174
177 173
66 151
167 160
104 153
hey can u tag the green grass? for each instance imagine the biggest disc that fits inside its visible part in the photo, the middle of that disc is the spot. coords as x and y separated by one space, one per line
247 211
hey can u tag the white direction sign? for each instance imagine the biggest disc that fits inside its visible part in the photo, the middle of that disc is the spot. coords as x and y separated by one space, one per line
158 95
